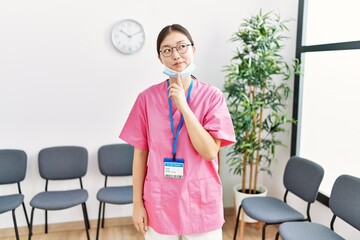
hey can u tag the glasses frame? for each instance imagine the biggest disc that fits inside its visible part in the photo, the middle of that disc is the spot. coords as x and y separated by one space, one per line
172 49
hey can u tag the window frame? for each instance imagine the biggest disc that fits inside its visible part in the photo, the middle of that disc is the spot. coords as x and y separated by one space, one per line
301 49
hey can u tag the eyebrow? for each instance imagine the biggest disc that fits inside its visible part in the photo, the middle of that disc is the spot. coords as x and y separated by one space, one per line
178 42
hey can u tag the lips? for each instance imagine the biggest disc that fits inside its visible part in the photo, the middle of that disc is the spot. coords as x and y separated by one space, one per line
177 64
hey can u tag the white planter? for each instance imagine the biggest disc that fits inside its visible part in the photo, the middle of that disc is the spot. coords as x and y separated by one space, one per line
239 196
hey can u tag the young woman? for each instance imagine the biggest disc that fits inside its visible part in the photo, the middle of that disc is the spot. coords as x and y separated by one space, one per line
177 128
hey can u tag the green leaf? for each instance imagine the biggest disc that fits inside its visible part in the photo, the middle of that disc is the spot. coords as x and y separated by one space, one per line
258 64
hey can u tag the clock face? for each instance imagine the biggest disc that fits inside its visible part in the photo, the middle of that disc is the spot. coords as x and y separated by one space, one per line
128 36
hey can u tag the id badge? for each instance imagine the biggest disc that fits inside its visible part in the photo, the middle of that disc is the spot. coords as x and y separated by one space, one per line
173 169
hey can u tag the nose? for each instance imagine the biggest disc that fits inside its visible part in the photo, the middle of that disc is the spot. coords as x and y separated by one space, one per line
175 53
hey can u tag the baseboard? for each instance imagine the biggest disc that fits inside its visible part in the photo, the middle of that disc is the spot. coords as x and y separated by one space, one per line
79 225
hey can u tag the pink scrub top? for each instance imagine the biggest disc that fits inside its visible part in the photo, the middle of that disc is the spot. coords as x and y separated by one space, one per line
192 204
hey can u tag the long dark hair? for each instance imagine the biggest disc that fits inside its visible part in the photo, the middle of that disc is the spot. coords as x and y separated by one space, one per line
172 28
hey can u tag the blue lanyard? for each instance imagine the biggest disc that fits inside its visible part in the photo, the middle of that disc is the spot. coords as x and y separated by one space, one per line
176 135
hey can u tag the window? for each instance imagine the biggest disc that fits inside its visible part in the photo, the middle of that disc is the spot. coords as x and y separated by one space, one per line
327 96
331 21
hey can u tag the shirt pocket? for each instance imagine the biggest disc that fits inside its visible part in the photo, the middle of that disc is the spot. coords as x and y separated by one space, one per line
204 196
152 196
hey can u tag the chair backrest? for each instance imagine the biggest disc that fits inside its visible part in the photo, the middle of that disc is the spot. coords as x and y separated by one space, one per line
116 159
63 162
13 165
344 199
302 177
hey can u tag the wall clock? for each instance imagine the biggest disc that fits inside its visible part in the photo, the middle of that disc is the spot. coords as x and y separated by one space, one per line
128 36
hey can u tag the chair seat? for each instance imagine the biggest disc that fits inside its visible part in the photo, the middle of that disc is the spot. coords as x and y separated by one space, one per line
58 200
307 230
116 195
10 202
270 210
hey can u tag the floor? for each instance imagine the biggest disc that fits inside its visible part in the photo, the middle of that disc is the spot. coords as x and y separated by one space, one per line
128 232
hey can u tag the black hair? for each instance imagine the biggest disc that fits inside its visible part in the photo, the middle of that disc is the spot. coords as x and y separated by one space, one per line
172 28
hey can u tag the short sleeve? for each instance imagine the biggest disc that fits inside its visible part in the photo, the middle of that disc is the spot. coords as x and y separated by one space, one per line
135 129
217 120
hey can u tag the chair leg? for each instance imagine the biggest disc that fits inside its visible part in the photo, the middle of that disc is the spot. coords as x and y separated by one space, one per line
98 222
46 222
103 216
277 235
15 225
85 221
26 216
237 223
87 216
31 223
263 231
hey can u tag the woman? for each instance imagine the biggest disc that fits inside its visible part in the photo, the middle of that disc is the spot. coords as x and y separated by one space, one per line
177 128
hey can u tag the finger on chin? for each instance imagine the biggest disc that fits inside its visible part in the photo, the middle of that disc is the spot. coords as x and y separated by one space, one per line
178 79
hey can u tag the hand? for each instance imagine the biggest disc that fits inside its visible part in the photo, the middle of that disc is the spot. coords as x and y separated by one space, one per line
140 218
176 92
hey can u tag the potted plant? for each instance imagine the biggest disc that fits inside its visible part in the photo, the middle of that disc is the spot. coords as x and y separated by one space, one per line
257 90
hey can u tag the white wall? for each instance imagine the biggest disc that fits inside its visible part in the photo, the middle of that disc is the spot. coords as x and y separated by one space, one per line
63 83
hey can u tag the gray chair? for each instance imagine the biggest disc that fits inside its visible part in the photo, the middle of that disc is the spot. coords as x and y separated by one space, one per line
302 178
115 160
13 165
344 202
61 163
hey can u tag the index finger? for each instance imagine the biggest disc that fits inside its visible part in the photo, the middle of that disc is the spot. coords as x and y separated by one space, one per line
178 80
145 224
140 227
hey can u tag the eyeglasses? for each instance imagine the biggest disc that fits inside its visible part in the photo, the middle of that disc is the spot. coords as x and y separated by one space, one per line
181 48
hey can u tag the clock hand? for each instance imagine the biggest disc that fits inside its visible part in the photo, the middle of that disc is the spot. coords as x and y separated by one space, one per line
135 33
129 36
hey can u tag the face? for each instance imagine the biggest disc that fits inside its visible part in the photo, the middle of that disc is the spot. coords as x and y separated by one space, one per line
176 61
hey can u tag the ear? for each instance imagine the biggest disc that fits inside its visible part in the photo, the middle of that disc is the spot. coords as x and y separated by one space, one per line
194 49
160 59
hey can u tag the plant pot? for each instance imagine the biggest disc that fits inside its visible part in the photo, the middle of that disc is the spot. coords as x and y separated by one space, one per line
239 196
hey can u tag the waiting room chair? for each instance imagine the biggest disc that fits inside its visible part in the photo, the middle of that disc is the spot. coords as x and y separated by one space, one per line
115 160
61 163
302 178
13 165
344 202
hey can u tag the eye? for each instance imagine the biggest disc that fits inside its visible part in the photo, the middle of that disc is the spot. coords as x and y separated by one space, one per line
166 50
181 46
